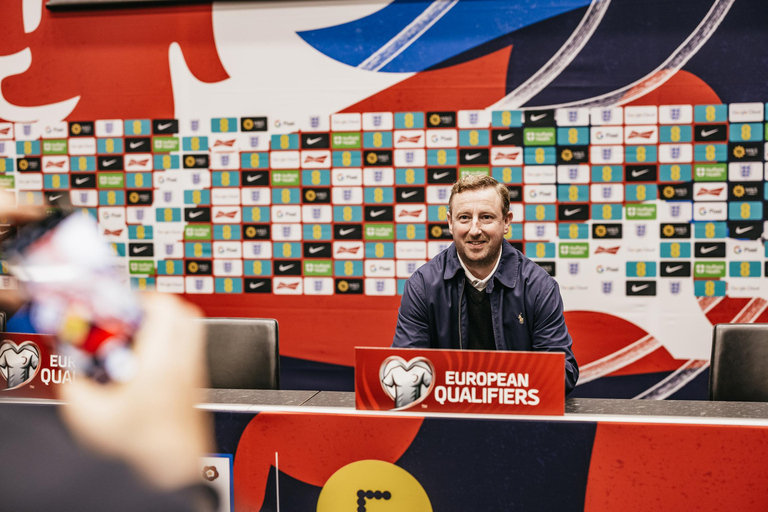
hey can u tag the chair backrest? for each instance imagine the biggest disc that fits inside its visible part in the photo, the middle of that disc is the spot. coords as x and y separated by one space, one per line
739 365
242 353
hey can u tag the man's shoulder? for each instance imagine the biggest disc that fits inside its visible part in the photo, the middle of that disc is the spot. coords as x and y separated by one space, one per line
531 272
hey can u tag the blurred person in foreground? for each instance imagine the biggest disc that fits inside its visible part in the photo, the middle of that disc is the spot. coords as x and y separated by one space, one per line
481 293
117 446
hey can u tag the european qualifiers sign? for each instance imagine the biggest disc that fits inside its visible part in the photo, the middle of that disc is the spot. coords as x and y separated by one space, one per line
460 381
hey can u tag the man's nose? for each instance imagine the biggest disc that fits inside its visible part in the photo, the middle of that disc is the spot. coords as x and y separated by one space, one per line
474 230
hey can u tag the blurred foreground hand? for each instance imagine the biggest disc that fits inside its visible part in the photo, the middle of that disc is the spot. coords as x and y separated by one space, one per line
150 422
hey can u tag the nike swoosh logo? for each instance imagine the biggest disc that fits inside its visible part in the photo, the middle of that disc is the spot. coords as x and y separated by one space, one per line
80 181
536 117
313 140
568 212
253 286
283 268
250 179
674 269
164 126
313 250
344 232
472 157
194 215
107 163
379 212
53 198
636 288
502 138
406 195
139 250
707 250
744 230
635 174
440 175
135 145
707 133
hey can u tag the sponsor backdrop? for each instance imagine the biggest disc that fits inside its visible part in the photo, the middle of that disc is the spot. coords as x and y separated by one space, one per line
271 160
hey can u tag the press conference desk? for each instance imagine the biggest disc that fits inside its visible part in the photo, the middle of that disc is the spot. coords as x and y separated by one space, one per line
601 455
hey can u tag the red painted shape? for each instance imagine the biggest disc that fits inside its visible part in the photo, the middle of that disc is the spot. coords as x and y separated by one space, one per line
116 60
471 85
683 88
726 310
596 335
641 467
324 329
311 447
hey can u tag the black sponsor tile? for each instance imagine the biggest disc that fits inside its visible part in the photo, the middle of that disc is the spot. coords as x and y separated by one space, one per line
640 173
675 268
287 267
646 288
139 197
410 195
507 137
317 250
348 231
572 212
83 180
81 129
745 230
29 164
109 163
710 132
676 192
745 191
745 151
199 267
138 145
515 193
254 178
200 214
141 250
709 250
572 155
196 161
441 175
165 126
257 285
474 156
315 141
548 266
442 119
378 157
316 195
539 118
601 231
256 231
379 213
676 230
253 124
349 286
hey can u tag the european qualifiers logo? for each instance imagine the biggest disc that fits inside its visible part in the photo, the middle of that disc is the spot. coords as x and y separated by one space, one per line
407 383
745 191
201 161
199 267
19 364
441 119
81 129
349 286
257 231
572 155
381 157
438 232
606 231
29 164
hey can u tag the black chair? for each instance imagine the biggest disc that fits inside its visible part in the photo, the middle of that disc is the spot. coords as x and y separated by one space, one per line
739 365
242 353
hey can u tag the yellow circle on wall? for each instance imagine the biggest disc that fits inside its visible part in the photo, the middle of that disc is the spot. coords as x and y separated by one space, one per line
374 485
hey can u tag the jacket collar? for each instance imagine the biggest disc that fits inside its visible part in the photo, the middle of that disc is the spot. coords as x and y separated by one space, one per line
506 274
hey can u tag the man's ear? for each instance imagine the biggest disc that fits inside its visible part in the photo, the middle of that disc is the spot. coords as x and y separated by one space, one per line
450 223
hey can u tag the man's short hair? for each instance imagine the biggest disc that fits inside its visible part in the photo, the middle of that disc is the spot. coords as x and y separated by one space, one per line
477 182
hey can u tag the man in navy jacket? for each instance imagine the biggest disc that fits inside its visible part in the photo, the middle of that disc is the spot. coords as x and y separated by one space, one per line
482 293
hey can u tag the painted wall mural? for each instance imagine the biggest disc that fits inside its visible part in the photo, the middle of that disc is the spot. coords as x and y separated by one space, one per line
294 161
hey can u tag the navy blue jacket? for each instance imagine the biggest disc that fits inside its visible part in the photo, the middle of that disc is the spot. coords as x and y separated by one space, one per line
526 308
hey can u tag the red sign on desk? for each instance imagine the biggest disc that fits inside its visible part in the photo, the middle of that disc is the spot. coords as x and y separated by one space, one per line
29 367
468 381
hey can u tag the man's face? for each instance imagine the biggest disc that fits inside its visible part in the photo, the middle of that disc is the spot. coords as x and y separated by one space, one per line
478 228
